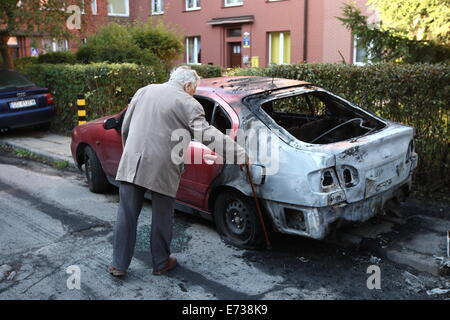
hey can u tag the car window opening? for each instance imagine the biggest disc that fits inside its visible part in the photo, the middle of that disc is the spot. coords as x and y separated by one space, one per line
318 117
215 115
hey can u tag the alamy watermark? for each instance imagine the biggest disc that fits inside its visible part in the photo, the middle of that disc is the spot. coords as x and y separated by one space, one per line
73 22
74 280
374 280
262 147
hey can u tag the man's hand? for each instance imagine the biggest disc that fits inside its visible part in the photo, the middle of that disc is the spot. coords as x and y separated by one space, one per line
210 158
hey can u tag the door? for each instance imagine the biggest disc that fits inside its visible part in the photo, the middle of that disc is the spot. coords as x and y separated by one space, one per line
111 146
234 55
198 175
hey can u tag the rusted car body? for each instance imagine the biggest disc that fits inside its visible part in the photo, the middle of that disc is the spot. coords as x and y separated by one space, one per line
336 162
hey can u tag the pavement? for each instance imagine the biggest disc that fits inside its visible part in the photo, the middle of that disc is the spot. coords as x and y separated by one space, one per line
48 145
49 221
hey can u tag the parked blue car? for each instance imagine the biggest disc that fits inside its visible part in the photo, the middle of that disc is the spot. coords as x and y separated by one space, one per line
22 103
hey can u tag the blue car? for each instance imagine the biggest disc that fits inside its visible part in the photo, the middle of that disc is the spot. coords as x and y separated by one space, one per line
22 103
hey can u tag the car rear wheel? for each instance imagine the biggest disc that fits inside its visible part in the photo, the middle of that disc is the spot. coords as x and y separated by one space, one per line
96 178
237 221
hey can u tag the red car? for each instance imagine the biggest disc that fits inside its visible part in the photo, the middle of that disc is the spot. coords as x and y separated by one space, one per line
337 162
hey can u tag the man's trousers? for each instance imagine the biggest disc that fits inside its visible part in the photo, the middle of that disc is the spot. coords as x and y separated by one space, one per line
130 206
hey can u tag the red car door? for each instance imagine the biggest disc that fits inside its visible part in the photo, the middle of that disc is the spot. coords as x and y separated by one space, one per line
197 178
110 147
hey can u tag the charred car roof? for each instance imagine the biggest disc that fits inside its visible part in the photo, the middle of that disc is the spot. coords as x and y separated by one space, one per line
233 89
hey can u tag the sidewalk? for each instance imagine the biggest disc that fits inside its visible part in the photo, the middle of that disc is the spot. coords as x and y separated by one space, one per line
48 145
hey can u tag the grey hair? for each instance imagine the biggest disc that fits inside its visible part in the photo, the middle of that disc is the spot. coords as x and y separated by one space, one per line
185 75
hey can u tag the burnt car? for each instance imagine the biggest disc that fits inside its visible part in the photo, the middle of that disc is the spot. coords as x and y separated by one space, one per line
335 161
23 104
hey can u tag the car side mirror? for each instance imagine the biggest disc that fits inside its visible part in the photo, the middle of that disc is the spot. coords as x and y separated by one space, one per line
110 123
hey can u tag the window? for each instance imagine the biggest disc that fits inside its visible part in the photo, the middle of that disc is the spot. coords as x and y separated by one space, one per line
192 5
118 8
231 3
193 50
60 45
279 47
234 32
157 6
93 7
360 54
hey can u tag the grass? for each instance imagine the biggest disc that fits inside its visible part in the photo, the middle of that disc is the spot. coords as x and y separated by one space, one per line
25 154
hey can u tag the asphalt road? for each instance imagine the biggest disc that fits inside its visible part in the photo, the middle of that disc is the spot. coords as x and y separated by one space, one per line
49 221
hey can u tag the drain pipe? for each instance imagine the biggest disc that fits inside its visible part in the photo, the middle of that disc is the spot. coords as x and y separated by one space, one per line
258 207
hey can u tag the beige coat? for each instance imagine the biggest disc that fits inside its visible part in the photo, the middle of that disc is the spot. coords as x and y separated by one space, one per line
153 114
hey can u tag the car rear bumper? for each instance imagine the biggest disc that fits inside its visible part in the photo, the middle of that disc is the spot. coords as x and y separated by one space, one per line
317 222
24 118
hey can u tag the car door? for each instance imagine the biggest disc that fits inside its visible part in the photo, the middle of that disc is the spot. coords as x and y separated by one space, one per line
111 146
197 177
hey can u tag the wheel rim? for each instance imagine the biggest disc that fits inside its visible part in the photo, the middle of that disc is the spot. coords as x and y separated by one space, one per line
88 168
237 220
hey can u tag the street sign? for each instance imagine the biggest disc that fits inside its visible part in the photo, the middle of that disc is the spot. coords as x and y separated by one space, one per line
246 40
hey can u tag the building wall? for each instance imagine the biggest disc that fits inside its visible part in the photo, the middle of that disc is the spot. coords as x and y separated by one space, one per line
316 34
325 39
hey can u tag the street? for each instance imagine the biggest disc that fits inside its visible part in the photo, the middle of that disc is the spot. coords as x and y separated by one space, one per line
49 221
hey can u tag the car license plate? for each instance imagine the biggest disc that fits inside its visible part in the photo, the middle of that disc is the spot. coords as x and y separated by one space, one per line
22 104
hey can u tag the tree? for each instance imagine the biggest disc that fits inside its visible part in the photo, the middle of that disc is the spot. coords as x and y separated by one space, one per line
388 44
416 19
32 18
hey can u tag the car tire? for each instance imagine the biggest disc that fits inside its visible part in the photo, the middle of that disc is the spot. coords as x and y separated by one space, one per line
236 220
43 127
95 176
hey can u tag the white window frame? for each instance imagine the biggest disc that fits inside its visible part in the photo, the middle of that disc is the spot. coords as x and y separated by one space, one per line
127 9
161 7
65 46
234 4
196 49
93 7
355 50
281 47
197 7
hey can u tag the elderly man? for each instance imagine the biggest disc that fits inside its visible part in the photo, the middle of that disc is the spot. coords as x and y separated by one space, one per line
147 163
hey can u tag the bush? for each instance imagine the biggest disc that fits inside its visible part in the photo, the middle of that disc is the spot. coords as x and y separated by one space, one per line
57 57
157 41
107 87
142 44
416 95
20 64
207 71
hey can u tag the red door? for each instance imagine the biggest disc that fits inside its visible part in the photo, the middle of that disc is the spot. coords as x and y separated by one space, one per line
234 54
197 178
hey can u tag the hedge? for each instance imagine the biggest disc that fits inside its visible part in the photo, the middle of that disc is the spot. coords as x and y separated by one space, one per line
107 87
208 71
416 95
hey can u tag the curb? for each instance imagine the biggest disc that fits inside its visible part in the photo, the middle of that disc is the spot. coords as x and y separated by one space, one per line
43 154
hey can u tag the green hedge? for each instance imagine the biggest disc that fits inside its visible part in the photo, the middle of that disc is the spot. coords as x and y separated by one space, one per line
58 57
208 71
107 87
417 95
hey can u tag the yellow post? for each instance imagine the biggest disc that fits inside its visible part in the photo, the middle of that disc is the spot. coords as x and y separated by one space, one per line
81 103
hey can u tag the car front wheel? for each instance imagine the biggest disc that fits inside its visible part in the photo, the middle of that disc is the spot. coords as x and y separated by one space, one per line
96 178
236 220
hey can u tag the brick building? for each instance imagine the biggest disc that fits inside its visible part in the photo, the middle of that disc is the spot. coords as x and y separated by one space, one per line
232 32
